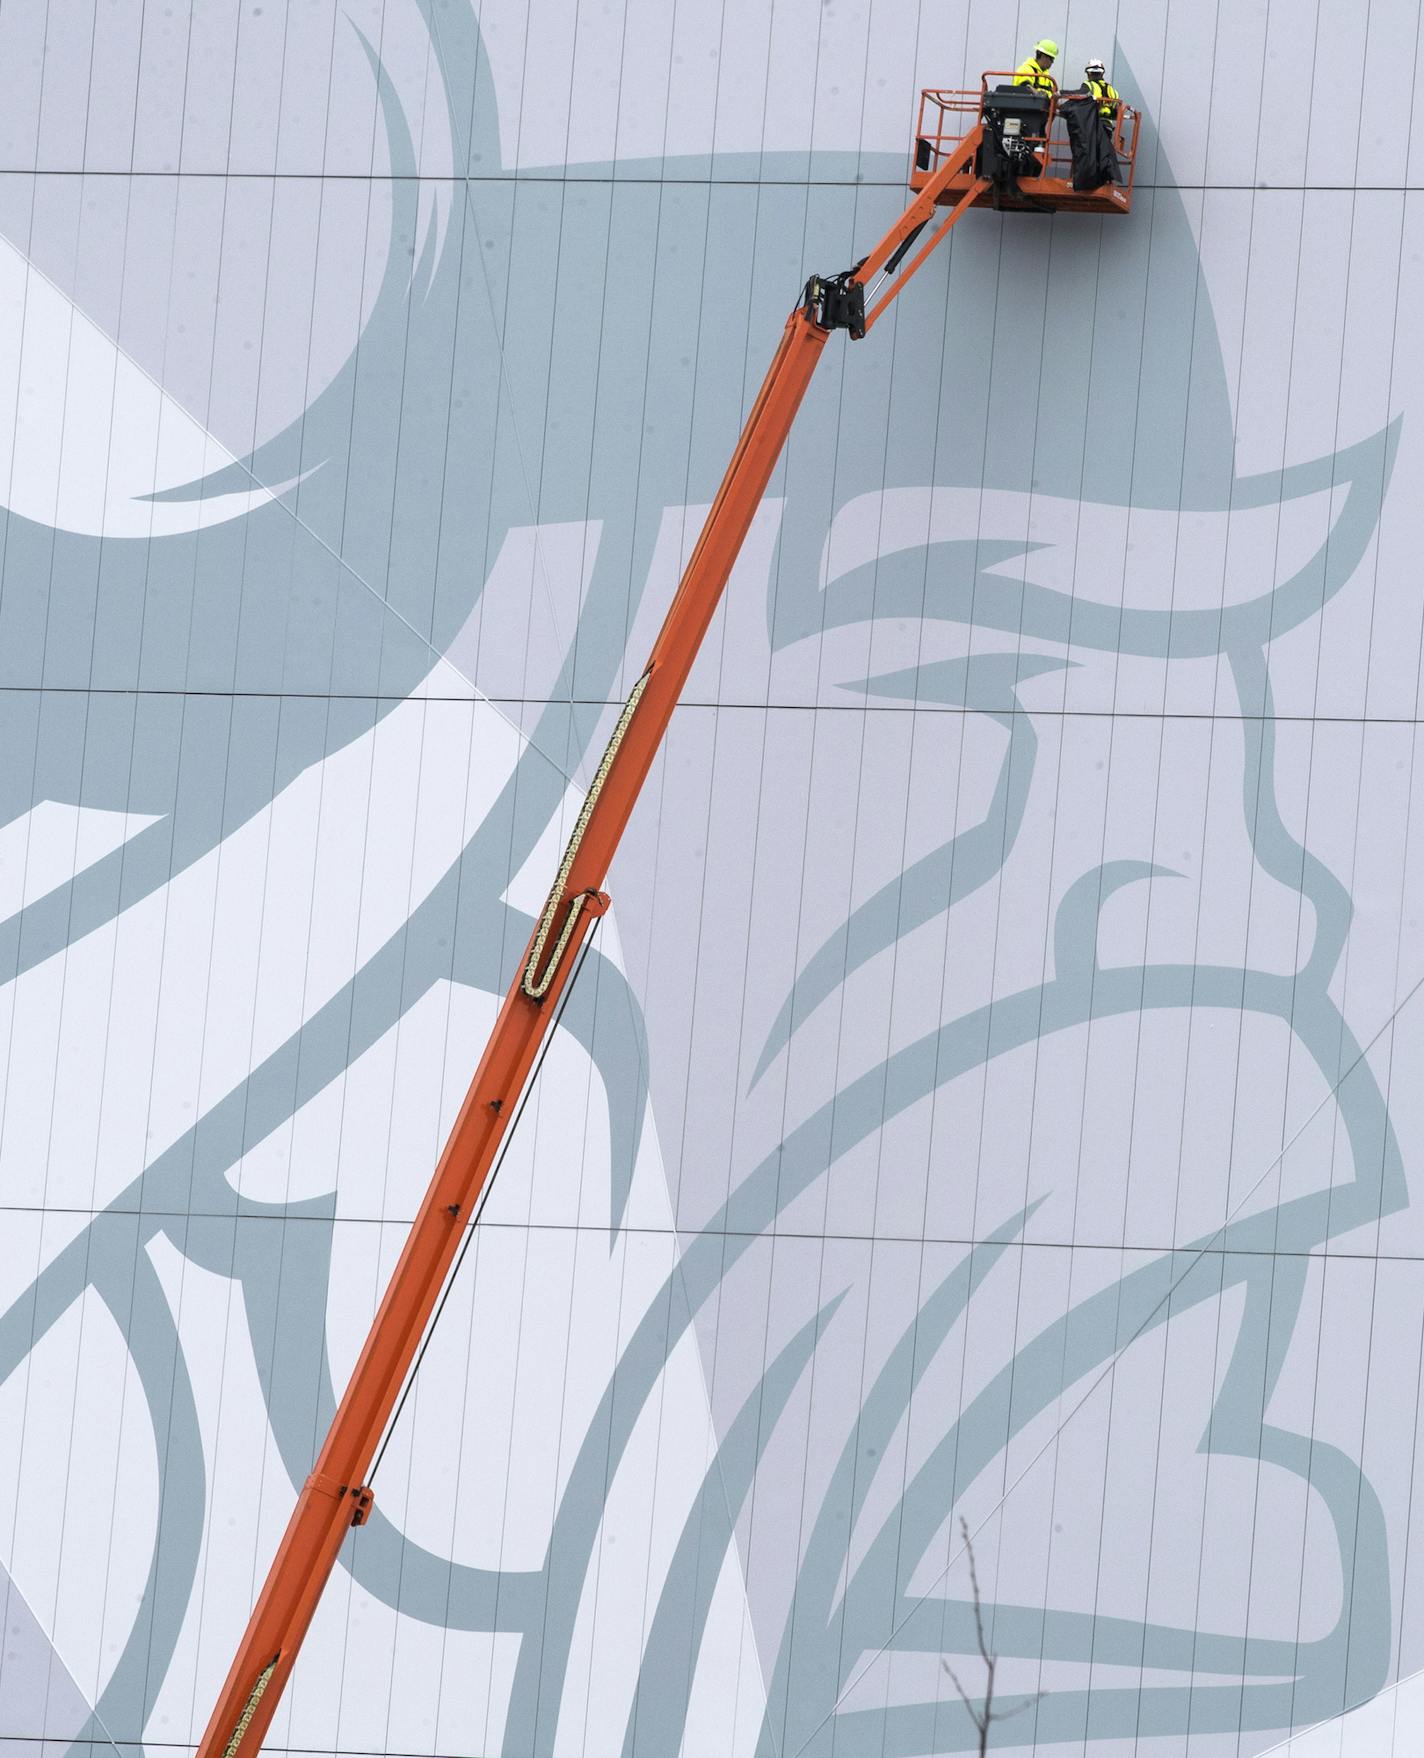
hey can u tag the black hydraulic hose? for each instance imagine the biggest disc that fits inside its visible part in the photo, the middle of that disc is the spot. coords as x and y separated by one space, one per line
901 250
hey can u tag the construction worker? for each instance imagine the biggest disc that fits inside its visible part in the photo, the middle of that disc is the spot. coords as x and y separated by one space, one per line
1034 71
1096 78
1090 116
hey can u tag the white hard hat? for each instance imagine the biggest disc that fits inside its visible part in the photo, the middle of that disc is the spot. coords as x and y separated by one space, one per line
1096 66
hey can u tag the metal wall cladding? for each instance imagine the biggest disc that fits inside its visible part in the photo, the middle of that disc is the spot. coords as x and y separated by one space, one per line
992 1096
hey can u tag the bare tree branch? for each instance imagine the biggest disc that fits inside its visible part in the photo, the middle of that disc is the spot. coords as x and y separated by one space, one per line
983 1718
974 1584
1018 1708
968 1701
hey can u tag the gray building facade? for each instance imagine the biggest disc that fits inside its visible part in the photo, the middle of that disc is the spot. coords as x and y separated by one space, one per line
991 1106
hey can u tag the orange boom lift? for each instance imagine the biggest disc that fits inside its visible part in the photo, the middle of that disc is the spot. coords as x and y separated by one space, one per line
1008 138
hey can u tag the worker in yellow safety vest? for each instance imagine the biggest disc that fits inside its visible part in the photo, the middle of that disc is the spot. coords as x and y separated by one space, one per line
1034 71
1096 75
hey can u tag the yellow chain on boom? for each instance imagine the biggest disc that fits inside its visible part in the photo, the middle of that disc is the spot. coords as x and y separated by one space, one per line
244 1721
534 984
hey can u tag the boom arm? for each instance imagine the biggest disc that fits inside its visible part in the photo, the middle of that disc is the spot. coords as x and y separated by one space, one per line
335 1497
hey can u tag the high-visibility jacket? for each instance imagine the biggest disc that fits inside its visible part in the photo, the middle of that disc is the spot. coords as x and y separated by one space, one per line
1032 74
1107 98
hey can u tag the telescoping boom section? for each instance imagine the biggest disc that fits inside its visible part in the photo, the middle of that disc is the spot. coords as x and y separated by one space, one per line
337 1494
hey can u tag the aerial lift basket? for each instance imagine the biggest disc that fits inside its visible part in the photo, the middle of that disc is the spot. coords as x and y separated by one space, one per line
1026 127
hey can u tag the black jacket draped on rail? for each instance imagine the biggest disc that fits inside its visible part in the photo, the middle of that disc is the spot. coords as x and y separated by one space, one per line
1090 136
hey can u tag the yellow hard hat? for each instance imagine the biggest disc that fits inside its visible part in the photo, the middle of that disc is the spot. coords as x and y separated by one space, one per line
1046 46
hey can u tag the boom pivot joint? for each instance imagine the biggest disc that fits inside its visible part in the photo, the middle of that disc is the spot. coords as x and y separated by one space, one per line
837 302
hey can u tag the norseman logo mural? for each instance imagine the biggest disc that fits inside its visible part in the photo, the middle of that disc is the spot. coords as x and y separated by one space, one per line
299 621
